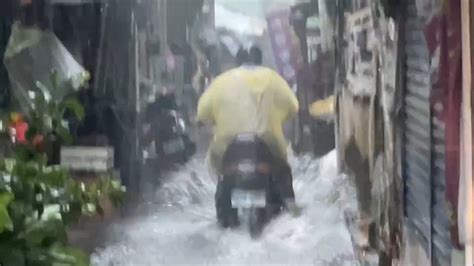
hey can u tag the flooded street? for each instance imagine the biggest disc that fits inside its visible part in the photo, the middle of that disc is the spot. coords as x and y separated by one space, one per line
110 110
180 225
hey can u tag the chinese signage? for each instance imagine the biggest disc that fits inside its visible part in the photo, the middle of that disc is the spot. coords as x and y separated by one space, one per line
284 44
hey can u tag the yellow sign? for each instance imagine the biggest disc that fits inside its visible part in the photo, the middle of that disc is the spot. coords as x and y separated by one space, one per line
323 108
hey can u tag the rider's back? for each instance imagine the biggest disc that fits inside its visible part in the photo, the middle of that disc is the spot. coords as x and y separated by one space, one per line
248 99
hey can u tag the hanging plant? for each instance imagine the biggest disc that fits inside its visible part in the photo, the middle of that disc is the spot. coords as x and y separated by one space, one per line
47 114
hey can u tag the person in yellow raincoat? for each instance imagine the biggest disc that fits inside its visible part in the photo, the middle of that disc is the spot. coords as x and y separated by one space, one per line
251 99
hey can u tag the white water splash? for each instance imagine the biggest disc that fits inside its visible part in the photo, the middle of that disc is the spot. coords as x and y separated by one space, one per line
182 228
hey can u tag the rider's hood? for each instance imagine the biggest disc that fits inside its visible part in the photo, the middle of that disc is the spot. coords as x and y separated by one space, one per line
253 76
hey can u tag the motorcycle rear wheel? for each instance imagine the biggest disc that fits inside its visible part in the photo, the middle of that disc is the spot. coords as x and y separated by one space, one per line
255 219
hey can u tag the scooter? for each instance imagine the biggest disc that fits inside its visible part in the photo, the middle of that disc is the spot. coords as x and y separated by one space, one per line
169 144
173 143
246 194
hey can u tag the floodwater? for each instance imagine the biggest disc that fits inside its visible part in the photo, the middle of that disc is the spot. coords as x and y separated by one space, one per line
179 226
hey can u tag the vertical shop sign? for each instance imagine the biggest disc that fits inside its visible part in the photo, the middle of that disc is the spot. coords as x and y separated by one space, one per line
284 45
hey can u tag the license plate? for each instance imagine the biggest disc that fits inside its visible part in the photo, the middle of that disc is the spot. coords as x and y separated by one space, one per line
173 146
248 198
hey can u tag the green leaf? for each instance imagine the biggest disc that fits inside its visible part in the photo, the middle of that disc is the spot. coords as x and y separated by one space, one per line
5 220
64 135
39 230
45 92
75 106
54 79
10 164
62 255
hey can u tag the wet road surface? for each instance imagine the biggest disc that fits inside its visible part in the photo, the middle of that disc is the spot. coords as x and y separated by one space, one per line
179 225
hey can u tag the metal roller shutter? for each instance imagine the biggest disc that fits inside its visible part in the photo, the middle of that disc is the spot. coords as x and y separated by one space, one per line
424 158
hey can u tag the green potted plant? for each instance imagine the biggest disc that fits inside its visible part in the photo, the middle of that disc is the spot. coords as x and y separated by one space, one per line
39 202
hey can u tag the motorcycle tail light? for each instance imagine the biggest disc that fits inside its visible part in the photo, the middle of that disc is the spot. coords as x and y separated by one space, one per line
264 168
260 168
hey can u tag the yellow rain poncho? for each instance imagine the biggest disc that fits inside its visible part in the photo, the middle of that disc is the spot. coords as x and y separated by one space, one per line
247 99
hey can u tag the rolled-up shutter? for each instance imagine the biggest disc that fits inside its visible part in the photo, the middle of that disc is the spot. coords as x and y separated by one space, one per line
441 238
424 158
417 159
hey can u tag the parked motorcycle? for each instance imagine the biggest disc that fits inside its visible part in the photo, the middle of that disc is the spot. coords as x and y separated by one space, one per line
172 143
246 194
167 141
